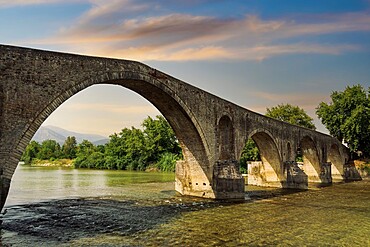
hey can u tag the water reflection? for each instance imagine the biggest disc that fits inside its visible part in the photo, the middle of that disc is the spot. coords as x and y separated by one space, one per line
33 184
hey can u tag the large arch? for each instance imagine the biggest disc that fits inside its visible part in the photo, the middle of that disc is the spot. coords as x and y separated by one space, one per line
269 172
194 170
337 163
311 163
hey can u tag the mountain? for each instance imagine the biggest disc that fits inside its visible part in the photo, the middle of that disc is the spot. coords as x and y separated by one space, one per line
60 135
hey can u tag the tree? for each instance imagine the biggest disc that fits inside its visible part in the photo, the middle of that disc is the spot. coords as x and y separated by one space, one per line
291 114
88 156
135 149
126 150
69 147
31 152
347 117
160 138
249 153
49 150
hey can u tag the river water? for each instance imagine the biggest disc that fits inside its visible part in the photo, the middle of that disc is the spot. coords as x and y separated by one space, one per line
70 207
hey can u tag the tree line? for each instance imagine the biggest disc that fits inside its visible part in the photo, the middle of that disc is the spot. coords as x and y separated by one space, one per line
154 146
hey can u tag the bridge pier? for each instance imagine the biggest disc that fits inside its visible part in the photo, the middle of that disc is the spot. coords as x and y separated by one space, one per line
191 180
227 181
295 177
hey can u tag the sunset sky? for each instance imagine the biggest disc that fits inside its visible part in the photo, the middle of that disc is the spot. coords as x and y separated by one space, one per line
255 53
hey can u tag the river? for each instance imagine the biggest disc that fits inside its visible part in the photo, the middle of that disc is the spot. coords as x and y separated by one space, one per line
71 207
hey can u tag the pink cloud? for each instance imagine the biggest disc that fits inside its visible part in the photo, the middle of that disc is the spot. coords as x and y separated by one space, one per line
105 30
12 3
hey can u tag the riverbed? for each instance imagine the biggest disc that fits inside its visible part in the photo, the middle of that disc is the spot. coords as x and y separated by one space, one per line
72 207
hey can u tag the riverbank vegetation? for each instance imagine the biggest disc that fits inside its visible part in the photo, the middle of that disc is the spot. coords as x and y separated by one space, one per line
347 117
154 147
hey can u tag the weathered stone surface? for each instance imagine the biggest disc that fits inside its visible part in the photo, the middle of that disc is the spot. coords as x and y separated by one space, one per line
33 83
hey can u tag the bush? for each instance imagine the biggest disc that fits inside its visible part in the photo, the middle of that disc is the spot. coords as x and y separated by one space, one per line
167 162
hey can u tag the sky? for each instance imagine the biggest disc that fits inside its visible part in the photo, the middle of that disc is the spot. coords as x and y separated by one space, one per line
255 53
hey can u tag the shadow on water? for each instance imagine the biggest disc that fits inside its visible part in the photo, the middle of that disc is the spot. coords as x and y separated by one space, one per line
257 193
68 219
61 221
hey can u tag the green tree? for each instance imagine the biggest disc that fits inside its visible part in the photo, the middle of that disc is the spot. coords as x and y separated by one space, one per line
347 117
69 147
159 138
88 156
291 114
49 150
250 153
135 149
31 152
126 150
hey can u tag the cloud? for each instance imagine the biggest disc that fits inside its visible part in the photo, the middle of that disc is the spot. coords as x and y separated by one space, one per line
115 28
257 53
13 3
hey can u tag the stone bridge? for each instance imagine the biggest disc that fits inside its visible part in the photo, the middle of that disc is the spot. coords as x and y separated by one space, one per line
212 131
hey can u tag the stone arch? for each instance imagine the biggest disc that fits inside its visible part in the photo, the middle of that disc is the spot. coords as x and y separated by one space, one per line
184 123
337 163
226 138
311 163
271 171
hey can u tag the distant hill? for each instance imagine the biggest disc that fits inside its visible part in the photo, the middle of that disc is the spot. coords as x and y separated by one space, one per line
60 135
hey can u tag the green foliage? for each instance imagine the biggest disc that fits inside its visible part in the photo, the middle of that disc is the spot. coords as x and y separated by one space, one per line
167 162
94 160
126 149
131 149
84 153
250 153
69 147
159 138
136 149
299 158
49 149
347 117
291 114
31 152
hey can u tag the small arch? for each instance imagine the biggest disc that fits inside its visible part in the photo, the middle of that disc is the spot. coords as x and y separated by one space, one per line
270 170
311 163
337 163
226 138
